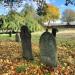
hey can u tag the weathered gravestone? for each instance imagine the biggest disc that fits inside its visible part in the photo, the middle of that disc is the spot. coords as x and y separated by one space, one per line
17 37
26 43
48 49
54 30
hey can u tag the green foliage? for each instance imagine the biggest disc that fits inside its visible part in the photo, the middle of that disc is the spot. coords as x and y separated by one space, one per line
33 24
13 20
47 73
6 37
41 11
31 18
21 68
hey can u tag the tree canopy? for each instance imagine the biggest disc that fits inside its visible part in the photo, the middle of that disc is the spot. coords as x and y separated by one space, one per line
68 15
39 2
30 18
15 20
51 12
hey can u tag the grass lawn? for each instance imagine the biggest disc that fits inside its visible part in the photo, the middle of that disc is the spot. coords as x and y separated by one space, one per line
65 37
5 37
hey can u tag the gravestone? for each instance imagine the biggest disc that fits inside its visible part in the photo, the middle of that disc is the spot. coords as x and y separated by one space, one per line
17 37
54 30
48 49
26 43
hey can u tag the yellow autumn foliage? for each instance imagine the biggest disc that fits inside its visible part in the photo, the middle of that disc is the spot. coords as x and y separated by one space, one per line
51 12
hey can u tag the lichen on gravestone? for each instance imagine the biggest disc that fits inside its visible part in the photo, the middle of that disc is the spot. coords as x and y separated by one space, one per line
48 50
17 37
26 43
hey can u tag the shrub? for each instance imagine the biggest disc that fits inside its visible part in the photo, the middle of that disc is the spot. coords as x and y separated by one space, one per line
21 68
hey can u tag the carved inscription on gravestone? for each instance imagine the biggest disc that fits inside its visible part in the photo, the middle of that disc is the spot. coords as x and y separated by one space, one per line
26 43
48 49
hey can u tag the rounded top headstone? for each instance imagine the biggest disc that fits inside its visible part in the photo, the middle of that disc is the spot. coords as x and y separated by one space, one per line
48 49
24 29
25 33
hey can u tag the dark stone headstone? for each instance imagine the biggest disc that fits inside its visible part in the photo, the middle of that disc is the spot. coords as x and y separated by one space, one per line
48 49
26 43
54 30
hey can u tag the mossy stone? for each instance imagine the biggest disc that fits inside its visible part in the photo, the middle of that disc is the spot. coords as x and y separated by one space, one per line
48 50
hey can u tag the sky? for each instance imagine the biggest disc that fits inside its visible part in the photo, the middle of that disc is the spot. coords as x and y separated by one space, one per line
59 3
